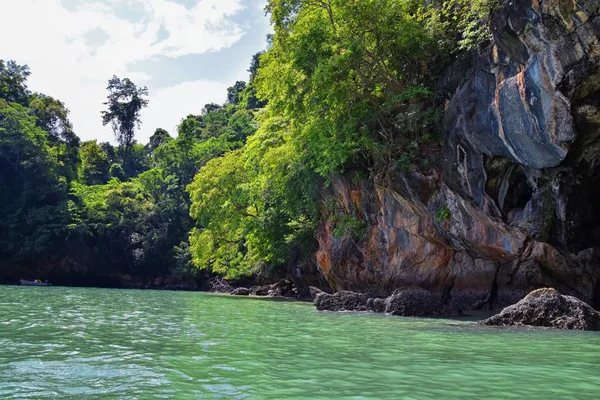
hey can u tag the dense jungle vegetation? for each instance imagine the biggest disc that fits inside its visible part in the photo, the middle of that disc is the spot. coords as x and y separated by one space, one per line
345 87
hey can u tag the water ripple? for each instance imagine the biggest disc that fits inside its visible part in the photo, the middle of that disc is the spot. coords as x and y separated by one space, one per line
93 343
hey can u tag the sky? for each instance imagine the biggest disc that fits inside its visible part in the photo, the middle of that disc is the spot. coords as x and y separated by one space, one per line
187 52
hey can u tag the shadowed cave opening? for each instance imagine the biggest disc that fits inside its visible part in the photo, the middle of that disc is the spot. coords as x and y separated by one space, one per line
583 206
508 185
587 205
518 194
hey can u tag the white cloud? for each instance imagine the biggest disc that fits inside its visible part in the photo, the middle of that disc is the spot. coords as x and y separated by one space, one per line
51 39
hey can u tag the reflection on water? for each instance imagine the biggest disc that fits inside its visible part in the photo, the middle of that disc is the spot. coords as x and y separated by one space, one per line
97 343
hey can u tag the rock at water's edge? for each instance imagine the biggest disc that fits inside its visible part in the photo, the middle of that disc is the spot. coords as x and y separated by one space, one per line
416 302
548 308
241 292
341 301
408 302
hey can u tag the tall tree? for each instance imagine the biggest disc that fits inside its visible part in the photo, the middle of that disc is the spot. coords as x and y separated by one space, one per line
234 92
53 117
125 102
13 87
158 138
32 194
255 65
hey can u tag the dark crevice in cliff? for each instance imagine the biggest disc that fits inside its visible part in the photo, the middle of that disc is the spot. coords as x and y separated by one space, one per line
596 299
492 299
580 191
447 295
518 194
591 217
494 292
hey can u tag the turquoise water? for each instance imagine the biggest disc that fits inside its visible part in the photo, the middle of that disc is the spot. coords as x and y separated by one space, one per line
97 343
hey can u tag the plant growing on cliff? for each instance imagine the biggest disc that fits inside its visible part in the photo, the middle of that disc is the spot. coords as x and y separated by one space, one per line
443 214
460 24
352 77
348 225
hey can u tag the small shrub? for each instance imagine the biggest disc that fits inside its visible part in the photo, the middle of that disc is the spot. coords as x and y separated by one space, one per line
349 225
443 214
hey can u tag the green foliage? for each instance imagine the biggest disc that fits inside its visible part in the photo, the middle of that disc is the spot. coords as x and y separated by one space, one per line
32 194
347 225
355 78
117 172
255 207
13 87
158 138
469 20
343 71
248 98
52 116
94 164
234 92
443 214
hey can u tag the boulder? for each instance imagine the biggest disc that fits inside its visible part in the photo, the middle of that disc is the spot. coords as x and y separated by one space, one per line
408 301
548 308
416 302
341 301
241 292
376 305
260 290
283 288
314 292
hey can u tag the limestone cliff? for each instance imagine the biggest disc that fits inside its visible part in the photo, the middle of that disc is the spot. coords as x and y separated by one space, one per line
514 203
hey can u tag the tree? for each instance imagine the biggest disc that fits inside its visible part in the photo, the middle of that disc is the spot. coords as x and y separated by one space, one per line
94 164
256 207
116 171
234 92
33 214
347 74
52 116
13 78
110 151
255 65
247 98
210 107
125 102
185 155
158 138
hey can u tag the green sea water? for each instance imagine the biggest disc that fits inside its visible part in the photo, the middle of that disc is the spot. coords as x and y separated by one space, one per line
97 343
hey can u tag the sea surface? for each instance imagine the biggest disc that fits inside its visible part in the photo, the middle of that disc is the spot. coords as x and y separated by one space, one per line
120 344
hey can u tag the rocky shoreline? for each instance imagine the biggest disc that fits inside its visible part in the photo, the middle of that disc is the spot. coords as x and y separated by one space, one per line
280 289
408 302
541 308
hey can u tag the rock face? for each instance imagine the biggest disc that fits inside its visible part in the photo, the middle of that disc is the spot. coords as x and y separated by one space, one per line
547 307
514 202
